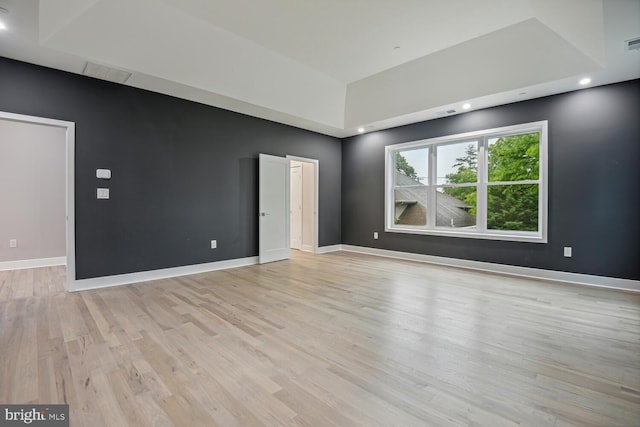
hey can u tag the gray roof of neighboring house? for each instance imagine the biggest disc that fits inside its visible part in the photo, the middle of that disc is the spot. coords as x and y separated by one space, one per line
413 194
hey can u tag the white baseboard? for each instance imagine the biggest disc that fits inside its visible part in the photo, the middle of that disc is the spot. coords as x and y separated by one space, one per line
327 249
165 273
534 273
32 263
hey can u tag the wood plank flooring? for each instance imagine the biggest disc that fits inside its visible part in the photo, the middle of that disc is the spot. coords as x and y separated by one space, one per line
331 340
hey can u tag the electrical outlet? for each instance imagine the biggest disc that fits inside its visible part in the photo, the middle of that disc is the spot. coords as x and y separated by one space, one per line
567 251
102 193
103 173
375 235
13 243
214 244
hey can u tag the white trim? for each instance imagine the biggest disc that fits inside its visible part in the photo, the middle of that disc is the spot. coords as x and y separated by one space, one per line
534 273
165 273
328 249
307 248
316 202
69 183
543 176
32 263
480 231
511 236
462 137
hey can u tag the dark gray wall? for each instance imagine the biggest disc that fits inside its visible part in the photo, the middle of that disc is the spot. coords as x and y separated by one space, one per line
594 177
183 173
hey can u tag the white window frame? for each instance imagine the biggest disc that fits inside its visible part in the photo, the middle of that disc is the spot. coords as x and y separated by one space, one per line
481 231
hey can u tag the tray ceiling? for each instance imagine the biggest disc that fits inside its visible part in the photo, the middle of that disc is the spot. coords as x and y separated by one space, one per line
334 65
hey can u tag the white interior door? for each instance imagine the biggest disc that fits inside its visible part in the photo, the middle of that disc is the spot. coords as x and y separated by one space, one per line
296 205
273 203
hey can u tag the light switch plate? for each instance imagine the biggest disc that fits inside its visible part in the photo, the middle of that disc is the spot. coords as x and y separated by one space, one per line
568 252
103 173
103 193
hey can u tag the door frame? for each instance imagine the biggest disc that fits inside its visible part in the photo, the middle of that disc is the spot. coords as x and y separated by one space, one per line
294 212
316 199
69 183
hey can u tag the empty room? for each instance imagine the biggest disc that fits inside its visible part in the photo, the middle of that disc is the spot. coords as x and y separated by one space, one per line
320 213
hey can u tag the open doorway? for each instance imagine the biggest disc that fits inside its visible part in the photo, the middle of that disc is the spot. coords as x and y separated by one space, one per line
304 204
37 188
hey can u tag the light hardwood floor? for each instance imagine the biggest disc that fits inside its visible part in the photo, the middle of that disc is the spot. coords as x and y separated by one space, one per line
331 340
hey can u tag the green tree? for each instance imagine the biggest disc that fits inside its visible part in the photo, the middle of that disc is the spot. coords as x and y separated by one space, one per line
511 158
514 158
467 172
403 166
513 207
467 167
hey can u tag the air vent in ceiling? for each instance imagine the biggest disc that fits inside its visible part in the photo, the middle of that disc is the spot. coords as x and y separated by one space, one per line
106 73
633 44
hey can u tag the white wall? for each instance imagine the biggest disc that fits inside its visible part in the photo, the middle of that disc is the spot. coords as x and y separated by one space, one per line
32 191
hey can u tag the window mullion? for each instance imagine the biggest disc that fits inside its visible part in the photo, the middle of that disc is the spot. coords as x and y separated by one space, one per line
390 186
481 193
431 193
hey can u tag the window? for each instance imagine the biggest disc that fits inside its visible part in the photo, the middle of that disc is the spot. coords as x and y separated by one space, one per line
489 184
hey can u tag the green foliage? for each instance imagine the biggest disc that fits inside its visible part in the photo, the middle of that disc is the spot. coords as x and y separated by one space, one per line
403 166
511 158
467 172
512 207
514 158
467 167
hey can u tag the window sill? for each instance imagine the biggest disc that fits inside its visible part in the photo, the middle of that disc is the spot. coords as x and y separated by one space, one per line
522 236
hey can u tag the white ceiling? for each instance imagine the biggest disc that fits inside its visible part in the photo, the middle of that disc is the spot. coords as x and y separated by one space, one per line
334 65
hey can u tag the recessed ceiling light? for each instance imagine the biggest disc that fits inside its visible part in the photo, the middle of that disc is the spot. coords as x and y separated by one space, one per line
360 130
585 81
466 106
396 47
3 11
